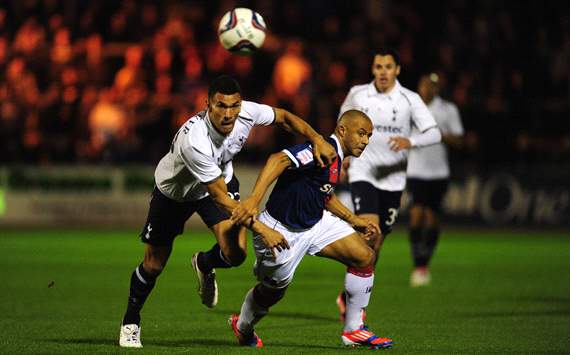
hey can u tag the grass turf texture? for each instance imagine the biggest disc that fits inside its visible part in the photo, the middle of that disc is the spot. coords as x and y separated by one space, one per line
65 292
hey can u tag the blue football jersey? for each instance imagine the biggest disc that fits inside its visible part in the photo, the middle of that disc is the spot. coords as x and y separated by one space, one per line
299 196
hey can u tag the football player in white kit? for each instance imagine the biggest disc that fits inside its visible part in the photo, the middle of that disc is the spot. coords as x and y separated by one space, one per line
196 175
378 177
428 176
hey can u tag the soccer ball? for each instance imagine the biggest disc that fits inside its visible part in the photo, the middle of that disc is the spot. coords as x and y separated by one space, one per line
241 31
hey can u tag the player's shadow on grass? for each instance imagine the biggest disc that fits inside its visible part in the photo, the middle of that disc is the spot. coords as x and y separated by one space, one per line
90 341
183 343
291 315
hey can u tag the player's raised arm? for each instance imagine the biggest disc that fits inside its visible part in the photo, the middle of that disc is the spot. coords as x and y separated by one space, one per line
324 152
274 167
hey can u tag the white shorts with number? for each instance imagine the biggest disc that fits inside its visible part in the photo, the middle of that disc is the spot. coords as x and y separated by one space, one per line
278 272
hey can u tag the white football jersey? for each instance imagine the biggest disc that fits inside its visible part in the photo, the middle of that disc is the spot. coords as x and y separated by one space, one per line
431 162
200 154
392 114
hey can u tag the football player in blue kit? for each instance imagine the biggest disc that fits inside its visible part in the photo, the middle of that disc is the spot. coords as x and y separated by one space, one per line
304 209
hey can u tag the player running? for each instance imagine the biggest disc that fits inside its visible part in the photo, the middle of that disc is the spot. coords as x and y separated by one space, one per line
196 175
428 177
303 208
378 177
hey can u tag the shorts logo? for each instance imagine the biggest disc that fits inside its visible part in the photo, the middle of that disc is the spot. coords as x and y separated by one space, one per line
234 195
305 156
357 203
149 229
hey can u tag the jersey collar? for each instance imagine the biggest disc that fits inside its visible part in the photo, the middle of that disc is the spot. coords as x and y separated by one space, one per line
392 94
216 136
338 147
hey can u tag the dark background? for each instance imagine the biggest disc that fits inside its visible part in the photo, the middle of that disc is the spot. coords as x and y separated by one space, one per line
110 81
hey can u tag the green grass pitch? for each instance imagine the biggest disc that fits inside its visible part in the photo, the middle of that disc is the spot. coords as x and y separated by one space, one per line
64 292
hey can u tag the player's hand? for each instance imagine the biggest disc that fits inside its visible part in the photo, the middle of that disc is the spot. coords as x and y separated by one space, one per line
366 228
323 152
245 210
398 143
274 240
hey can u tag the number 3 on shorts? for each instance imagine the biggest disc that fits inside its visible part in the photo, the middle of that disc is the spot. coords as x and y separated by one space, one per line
392 218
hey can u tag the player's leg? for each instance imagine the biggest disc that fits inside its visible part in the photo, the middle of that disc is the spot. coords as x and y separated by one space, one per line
231 243
274 274
255 306
416 234
417 191
366 201
352 251
432 219
229 251
431 233
143 280
164 222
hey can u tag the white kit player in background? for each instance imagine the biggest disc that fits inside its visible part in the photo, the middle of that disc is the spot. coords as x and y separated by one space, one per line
196 176
378 177
428 177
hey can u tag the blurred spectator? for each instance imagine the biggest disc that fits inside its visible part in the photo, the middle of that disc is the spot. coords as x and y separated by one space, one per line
108 125
150 63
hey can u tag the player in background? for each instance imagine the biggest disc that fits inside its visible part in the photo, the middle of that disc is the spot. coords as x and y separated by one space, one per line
428 176
196 175
304 208
378 177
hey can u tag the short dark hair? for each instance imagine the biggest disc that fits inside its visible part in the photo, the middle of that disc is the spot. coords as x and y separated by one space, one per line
224 84
389 51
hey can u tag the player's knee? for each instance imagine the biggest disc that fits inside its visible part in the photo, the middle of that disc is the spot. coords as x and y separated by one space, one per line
364 258
153 268
235 257
266 296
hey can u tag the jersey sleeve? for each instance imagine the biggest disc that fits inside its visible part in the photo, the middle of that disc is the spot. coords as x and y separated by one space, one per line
301 155
422 117
201 165
455 126
262 115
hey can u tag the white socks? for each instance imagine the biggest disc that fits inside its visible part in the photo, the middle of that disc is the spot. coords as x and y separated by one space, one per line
250 314
358 287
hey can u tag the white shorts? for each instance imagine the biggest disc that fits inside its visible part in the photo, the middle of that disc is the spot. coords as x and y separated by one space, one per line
278 272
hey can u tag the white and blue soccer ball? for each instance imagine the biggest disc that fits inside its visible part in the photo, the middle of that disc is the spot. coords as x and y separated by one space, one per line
242 31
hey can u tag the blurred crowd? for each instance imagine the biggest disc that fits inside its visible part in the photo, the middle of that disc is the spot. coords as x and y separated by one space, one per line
110 81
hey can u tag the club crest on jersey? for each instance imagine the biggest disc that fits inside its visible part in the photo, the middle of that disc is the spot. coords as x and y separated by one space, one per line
305 156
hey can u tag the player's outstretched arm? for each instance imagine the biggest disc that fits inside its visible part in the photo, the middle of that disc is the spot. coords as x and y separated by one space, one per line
367 228
274 167
324 153
218 190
